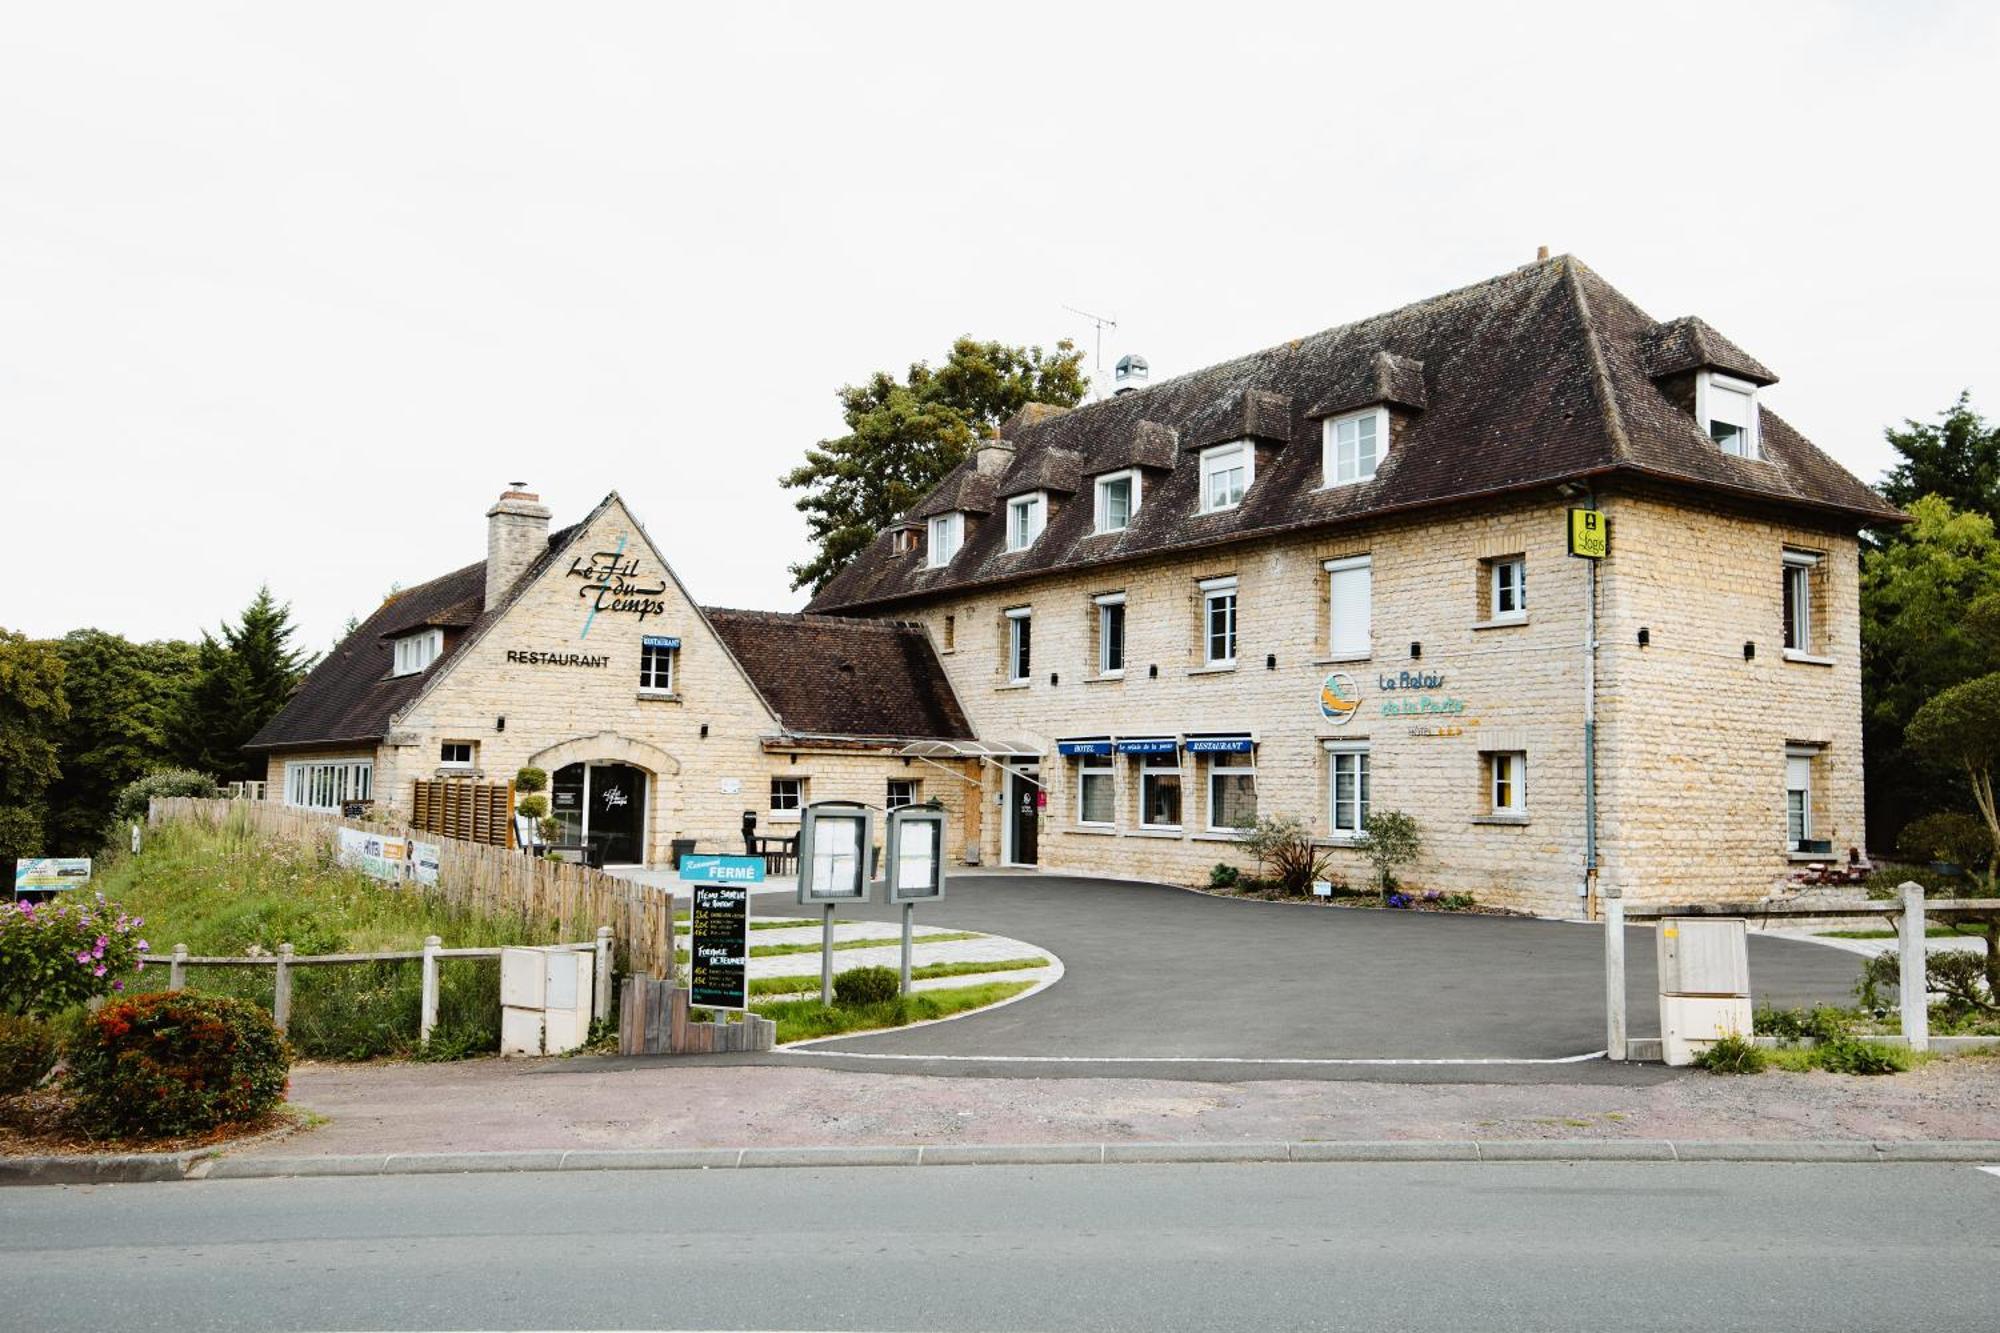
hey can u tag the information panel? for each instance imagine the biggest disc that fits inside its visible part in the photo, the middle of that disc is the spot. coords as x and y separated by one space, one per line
40 874
719 947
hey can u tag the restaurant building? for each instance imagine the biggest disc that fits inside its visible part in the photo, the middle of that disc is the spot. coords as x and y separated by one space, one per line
579 652
1336 577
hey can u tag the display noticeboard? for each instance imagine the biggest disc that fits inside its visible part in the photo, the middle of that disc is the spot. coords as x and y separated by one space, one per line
44 874
1589 534
719 947
836 839
913 859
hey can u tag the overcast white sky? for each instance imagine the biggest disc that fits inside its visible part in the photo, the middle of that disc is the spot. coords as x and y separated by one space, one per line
288 293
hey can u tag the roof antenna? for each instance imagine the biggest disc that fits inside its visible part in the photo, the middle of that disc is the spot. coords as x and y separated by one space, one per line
1102 322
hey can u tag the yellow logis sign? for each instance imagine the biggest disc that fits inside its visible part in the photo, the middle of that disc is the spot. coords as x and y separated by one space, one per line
1589 534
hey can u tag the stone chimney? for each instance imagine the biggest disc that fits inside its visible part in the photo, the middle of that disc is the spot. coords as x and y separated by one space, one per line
993 456
517 532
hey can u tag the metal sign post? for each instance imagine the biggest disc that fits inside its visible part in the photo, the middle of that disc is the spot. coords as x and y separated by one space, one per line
914 869
835 840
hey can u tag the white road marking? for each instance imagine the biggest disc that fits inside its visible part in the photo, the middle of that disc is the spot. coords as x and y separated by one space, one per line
1991 1170
803 1048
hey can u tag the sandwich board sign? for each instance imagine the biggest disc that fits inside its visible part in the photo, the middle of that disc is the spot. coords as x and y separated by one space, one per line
719 947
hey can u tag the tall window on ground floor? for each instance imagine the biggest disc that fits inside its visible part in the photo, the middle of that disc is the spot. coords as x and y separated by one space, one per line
1799 834
1095 791
329 784
1506 782
1347 790
1160 790
1232 793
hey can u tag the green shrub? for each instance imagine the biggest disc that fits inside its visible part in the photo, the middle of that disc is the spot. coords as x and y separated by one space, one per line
133 796
866 985
1849 1055
58 954
1223 875
1947 835
550 828
177 1063
531 779
1732 1054
534 807
28 1050
1820 1023
1284 847
1390 838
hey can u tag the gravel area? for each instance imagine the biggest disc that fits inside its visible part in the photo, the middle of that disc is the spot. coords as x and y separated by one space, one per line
606 1102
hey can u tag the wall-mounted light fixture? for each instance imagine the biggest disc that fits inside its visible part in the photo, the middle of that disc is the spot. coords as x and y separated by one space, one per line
1645 636
704 731
1054 679
1749 650
1153 671
1270 661
499 724
1416 650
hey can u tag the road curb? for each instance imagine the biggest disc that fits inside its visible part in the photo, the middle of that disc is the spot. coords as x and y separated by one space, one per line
149 1168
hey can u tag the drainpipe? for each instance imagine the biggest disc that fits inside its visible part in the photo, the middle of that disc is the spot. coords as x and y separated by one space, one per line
1587 890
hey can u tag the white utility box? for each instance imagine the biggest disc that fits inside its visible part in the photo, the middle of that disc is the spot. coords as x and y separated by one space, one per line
1704 984
545 1000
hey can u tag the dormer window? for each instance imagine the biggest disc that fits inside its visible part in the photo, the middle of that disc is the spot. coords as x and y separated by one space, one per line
1727 409
904 541
947 532
1117 500
414 652
1354 445
1226 473
1027 515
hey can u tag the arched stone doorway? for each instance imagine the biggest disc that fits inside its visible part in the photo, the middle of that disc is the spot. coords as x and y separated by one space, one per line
611 794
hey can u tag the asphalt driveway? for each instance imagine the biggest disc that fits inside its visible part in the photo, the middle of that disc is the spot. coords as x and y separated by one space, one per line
1155 974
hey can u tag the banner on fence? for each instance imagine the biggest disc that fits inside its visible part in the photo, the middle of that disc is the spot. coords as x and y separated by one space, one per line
374 854
424 859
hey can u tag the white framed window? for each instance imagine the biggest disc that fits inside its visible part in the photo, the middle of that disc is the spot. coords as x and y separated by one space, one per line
947 532
1020 645
1727 410
1111 634
1508 593
1096 791
1507 779
455 754
1798 588
657 661
316 784
1354 445
788 796
1347 789
902 792
1226 473
1117 500
1232 793
1160 790
414 652
1350 598
1218 622
1798 799
1027 515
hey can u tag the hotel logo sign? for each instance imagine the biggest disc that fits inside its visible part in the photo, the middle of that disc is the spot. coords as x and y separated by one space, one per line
1339 698
611 583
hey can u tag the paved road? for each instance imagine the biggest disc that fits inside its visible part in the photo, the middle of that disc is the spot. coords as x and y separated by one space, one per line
1158 972
1489 1247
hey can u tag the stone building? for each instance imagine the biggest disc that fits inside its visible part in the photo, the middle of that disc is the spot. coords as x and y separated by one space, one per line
1335 577
579 652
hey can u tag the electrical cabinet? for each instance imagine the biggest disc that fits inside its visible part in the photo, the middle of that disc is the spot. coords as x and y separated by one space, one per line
1704 965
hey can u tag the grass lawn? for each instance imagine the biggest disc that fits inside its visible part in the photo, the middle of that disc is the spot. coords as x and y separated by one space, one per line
1930 932
810 980
799 1020
782 950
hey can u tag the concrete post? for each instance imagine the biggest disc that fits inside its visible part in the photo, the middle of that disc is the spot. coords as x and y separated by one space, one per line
909 914
1910 976
281 997
601 996
1614 972
427 1016
177 971
826 959
135 837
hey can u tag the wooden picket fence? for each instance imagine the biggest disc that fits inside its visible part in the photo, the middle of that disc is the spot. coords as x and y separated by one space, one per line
477 877
466 809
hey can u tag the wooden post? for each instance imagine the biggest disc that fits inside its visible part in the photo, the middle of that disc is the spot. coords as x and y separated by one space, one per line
135 837
600 1005
428 1016
1613 899
281 999
1910 976
177 971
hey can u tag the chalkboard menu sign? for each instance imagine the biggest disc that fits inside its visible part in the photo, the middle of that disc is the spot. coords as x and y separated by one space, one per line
719 952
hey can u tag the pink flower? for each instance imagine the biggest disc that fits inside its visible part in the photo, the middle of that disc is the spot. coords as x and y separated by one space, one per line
117 985
99 972
143 946
84 958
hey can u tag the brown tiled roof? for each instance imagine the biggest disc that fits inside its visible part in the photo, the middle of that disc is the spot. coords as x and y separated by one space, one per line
350 695
834 676
1537 376
964 487
1043 470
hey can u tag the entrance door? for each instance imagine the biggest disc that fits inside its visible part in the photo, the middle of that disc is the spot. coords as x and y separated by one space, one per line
1026 816
617 796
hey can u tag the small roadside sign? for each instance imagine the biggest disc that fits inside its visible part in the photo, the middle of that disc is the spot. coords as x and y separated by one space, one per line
719 947
43 874
1589 534
722 869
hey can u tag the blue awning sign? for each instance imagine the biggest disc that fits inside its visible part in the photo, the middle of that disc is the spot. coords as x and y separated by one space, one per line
1220 745
1148 745
661 640
1100 745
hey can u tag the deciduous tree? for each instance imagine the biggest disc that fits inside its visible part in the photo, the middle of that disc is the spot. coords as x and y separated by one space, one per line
32 711
1957 459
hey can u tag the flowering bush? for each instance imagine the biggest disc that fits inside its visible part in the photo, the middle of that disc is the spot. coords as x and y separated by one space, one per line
27 1052
57 954
177 1063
